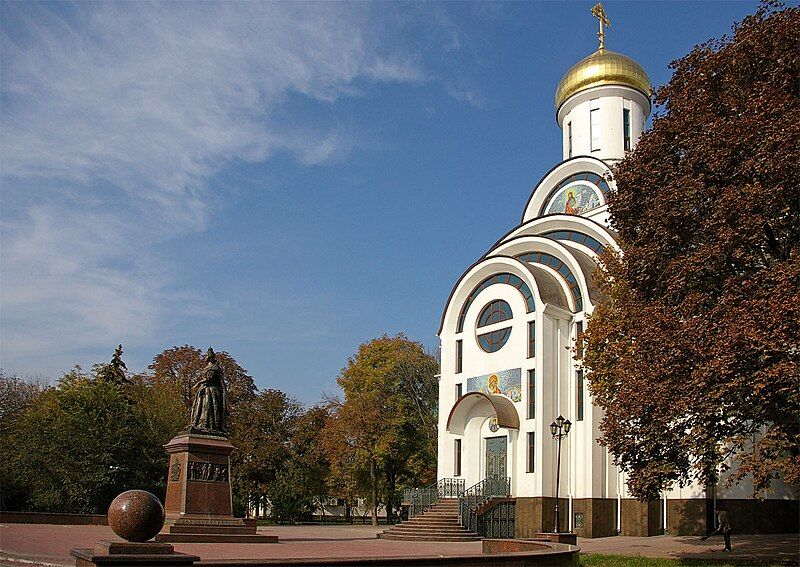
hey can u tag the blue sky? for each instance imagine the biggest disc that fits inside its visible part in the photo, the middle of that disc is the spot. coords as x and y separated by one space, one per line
282 181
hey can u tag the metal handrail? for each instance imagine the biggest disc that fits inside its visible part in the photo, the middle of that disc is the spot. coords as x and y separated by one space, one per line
420 499
477 495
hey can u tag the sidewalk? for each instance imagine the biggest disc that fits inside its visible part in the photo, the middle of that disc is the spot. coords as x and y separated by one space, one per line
38 544
785 547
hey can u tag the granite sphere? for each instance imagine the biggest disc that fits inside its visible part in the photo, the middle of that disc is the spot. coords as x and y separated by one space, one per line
136 515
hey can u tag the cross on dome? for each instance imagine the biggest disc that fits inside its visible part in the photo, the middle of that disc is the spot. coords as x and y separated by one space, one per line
599 12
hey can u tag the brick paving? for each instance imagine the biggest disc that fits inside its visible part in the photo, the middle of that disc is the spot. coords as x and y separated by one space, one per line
39 544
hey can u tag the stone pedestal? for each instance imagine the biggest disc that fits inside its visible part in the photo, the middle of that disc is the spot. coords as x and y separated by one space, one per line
199 505
121 553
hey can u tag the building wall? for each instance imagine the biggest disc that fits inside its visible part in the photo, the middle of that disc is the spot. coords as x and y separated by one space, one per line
599 517
590 482
535 515
609 102
555 395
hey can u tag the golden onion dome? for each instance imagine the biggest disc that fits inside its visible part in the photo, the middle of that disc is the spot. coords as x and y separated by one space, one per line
603 67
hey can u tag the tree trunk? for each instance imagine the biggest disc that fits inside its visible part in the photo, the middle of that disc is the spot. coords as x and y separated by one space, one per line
391 481
374 479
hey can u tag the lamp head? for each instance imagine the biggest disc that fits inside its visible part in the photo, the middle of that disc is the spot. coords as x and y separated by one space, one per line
567 426
553 429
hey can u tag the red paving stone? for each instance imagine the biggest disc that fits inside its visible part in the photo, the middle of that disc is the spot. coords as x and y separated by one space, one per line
50 544
784 547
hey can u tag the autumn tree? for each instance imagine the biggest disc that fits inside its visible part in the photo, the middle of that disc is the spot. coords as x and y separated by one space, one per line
694 357
385 422
182 367
16 393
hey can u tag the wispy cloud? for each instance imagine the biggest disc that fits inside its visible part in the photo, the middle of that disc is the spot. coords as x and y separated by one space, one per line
155 98
114 118
470 96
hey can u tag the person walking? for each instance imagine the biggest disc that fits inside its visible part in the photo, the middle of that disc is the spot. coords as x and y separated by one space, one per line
724 527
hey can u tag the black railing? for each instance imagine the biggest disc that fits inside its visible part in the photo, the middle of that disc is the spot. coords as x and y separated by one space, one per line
476 496
498 521
420 499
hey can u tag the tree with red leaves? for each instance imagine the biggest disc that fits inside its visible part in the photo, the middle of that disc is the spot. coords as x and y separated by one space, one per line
694 356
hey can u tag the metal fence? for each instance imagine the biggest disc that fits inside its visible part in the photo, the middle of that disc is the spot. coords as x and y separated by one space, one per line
479 494
420 499
498 521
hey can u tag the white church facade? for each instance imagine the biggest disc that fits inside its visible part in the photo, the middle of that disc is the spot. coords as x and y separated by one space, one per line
510 364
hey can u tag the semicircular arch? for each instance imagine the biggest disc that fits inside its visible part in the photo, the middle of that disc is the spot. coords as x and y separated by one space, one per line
478 404
474 276
559 174
558 259
543 226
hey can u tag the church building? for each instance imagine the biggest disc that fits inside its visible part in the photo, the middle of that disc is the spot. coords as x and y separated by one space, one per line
510 365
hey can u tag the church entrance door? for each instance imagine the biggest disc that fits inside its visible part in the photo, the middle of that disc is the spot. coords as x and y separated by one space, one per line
496 457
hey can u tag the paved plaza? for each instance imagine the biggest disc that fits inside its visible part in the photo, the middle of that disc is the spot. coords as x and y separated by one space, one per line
41 544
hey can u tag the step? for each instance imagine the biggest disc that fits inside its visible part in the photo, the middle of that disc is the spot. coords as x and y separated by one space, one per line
431 533
404 537
192 529
439 522
435 511
431 522
406 527
215 538
428 522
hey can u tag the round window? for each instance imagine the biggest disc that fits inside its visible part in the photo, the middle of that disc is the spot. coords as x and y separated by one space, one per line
495 312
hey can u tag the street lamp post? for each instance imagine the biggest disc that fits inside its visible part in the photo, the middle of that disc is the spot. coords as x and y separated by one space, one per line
559 429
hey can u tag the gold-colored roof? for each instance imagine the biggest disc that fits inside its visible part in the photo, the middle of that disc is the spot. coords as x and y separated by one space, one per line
603 67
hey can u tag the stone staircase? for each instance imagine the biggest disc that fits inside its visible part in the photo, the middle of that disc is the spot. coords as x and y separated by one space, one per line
437 523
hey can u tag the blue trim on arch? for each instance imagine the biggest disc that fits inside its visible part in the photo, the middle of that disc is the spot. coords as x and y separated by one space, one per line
576 236
549 172
560 267
502 278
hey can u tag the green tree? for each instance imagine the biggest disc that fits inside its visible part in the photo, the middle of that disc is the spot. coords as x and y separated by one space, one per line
261 429
386 418
75 447
694 356
114 371
301 485
72 447
16 395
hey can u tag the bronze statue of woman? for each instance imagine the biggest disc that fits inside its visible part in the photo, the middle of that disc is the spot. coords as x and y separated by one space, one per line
210 406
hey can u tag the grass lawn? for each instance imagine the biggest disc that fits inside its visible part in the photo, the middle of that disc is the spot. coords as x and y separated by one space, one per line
600 560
